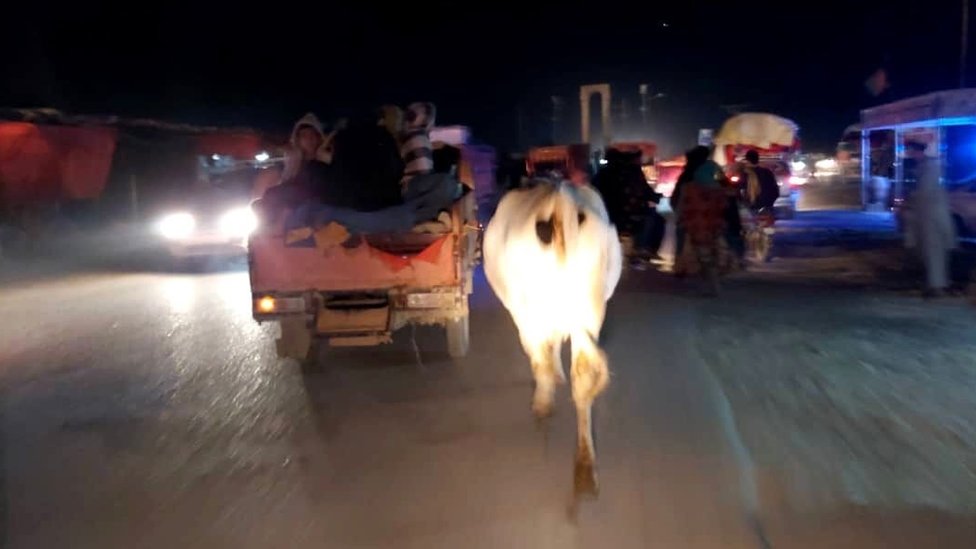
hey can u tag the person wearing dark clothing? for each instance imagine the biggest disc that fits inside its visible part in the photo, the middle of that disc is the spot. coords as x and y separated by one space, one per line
652 232
366 162
694 159
607 183
314 180
733 224
446 159
758 190
629 200
415 146
759 187
306 176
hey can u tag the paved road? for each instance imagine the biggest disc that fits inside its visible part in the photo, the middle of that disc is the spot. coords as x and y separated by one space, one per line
149 410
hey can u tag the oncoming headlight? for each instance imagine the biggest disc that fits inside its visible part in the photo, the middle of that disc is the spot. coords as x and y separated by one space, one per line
177 225
239 222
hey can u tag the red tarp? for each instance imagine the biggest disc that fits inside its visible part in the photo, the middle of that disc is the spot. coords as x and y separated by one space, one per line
242 146
430 254
50 163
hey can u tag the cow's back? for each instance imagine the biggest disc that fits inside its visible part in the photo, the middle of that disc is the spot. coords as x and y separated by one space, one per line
511 234
536 280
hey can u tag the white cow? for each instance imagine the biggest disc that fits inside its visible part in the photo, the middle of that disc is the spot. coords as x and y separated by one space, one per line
554 259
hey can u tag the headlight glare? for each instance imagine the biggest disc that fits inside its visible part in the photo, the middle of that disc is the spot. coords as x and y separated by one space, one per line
177 225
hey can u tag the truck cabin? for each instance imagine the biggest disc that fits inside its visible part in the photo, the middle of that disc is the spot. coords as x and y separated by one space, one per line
563 159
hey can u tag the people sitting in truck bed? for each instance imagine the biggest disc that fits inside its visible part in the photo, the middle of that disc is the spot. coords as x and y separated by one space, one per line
391 118
308 144
415 147
446 158
361 188
367 167
306 175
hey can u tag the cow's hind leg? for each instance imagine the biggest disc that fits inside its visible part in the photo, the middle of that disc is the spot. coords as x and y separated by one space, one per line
547 371
590 376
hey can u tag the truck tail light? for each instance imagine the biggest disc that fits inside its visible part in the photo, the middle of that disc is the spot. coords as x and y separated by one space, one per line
267 305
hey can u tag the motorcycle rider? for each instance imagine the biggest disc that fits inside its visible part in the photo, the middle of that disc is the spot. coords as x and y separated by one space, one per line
759 192
631 204
759 186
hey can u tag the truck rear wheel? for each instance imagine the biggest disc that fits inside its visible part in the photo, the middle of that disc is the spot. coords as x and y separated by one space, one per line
458 337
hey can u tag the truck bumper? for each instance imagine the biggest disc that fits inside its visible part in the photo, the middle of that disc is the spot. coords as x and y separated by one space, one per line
362 319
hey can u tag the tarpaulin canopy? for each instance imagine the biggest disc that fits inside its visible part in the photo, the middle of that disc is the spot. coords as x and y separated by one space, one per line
49 163
771 135
761 130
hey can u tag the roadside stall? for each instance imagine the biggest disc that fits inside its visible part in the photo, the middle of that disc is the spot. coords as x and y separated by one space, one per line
46 171
61 173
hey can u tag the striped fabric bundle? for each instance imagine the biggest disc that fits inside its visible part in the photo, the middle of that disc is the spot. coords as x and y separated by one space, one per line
416 149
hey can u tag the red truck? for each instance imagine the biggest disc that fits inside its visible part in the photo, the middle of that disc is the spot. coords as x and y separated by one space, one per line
361 292
566 159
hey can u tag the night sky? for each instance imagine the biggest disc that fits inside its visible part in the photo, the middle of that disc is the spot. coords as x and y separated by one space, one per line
486 65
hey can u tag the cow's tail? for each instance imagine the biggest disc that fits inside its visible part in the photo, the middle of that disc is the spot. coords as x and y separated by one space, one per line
558 222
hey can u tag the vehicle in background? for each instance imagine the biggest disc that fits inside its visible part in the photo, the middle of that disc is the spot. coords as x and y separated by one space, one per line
814 167
667 172
848 155
648 154
211 217
775 139
564 159
962 204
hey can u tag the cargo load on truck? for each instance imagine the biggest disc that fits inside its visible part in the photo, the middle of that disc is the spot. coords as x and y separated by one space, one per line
351 276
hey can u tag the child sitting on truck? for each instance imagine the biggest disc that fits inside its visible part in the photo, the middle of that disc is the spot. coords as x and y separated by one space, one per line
306 175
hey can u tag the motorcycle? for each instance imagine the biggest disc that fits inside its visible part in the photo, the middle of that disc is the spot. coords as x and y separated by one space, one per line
760 228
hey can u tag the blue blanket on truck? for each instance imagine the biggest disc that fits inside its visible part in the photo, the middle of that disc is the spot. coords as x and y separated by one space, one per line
425 197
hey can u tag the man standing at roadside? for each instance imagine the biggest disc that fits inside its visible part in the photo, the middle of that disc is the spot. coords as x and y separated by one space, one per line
930 230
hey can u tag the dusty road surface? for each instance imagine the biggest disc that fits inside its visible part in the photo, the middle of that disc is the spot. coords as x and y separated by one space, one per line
149 410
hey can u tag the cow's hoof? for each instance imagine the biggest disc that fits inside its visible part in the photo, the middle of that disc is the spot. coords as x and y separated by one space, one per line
542 408
584 480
